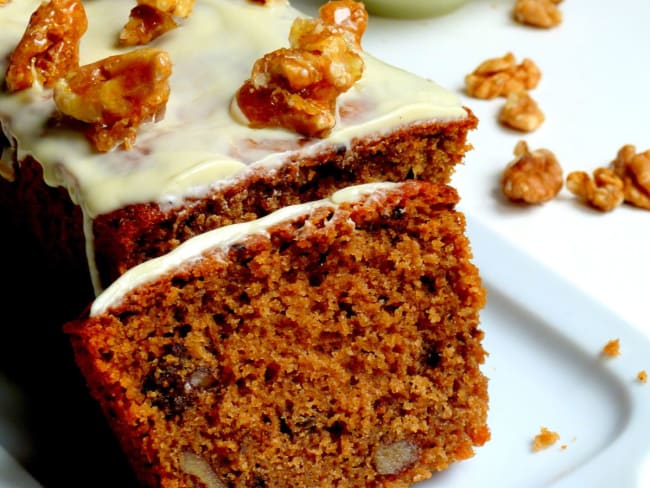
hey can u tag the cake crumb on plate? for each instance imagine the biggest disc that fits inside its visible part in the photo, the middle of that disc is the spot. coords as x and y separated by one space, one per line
546 438
612 348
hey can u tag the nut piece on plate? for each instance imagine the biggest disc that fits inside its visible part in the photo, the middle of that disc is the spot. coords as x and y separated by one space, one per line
604 191
533 176
152 18
538 13
498 77
296 88
116 95
521 112
634 170
49 47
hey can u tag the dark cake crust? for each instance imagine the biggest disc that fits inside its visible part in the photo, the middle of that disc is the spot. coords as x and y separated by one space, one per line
341 353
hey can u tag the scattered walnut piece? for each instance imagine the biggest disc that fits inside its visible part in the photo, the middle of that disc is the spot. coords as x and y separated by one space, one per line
612 348
297 88
538 13
604 191
116 95
498 77
634 170
642 376
152 18
533 176
521 112
49 47
546 438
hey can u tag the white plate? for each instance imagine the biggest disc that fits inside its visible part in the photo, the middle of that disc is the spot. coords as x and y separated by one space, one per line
562 280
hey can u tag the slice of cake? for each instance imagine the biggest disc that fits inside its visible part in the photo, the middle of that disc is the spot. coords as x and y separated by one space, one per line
333 343
198 166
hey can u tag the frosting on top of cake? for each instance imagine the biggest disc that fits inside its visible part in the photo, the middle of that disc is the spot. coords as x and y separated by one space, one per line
221 238
200 142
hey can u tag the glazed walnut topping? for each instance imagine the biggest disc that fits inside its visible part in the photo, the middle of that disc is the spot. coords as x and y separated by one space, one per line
50 46
521 112
115 95
152 18
538 13
634 170
604 191
498 77
533 176
297 88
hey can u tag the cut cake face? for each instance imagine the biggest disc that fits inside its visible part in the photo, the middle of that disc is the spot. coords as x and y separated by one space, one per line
331 344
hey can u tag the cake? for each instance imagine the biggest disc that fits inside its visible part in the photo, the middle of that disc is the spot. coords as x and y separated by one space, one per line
98 213
330 343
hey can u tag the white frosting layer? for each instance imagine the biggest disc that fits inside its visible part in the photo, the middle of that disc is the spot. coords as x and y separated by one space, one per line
198 143
220 238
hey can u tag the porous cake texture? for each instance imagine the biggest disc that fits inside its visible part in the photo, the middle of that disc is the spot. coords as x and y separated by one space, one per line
335 343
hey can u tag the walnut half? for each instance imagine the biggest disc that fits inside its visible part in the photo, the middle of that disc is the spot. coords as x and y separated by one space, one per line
533 176
498 77
634 170
538 13
521 112
297 88
49 47
116 95
604 191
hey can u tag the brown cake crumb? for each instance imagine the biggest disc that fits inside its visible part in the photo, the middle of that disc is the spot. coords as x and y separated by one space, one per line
612 348
642 376
545 439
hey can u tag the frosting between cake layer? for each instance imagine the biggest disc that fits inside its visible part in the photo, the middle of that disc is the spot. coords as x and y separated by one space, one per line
220 238
199 143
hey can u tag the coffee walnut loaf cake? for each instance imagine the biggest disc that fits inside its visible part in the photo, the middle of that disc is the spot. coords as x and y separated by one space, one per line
334 343
106 192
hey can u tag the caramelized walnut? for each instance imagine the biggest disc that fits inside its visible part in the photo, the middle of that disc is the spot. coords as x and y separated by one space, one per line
634 170
145 24
498 77
297 88
152 18
116 95
533 176
538 13
49 47
521 112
